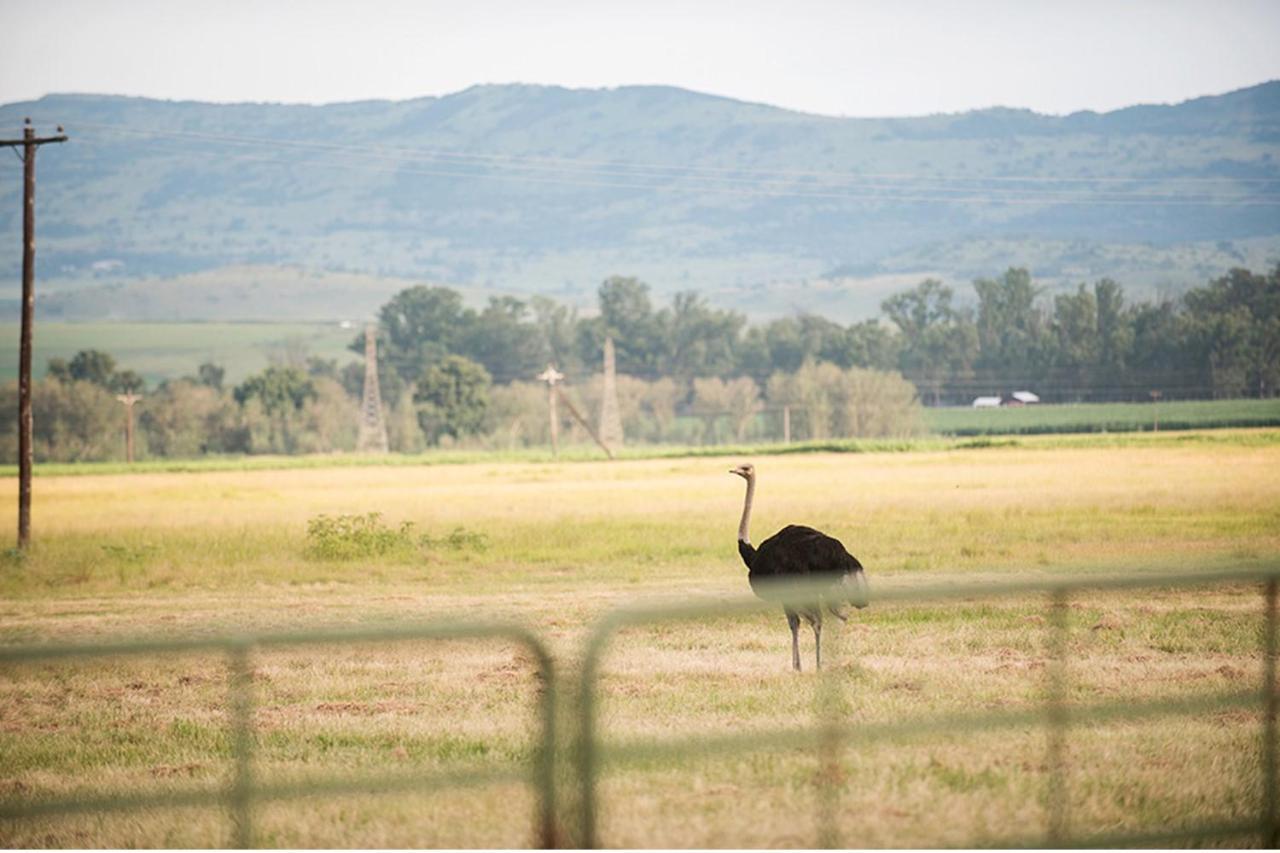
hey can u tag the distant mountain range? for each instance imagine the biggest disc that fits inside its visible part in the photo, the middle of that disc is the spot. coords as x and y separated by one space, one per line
528 189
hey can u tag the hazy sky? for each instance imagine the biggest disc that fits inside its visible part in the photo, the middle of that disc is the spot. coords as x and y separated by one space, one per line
856 57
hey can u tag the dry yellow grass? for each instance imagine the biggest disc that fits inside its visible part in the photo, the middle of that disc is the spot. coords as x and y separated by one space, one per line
176 555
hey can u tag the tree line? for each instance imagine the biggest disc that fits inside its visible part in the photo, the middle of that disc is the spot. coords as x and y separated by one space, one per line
1216 341
688 372
311 407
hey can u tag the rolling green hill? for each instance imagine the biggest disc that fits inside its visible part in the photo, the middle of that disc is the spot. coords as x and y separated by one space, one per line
542 189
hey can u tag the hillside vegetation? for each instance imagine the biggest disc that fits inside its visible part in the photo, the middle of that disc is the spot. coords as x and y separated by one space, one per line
548 189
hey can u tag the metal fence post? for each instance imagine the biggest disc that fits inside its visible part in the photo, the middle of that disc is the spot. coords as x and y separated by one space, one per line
240 792
1270 824
585 748
1056 712
544 769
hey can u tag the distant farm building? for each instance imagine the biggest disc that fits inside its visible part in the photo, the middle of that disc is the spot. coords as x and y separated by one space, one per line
1017 398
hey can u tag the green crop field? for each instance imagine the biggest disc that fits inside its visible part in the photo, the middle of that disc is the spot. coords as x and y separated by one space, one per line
556 546
169 350
1104 417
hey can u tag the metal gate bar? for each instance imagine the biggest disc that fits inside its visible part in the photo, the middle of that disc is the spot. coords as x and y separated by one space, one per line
242 793
1057 715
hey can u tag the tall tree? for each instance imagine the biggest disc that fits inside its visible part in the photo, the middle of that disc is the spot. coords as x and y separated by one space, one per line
503 340
627 315
939 342
698 340
452 397
419 327
281 392
1237 318
1013 338
1075 325
556 325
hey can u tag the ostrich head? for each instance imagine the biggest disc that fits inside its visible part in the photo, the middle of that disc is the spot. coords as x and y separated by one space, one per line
746 471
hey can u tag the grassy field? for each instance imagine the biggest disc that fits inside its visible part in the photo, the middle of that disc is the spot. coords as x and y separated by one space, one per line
556 546
170 350
1104 417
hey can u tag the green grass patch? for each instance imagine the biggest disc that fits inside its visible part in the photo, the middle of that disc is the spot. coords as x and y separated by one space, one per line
161 351
1104 417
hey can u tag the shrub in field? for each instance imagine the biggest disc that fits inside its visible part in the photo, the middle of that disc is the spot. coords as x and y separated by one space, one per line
350 537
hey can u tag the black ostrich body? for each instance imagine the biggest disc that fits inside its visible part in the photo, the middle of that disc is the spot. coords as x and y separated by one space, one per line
796 552
800 554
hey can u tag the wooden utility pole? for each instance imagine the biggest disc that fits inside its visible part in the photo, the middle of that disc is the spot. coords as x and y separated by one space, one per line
128 400
551 376
786 424
1155 398
29 142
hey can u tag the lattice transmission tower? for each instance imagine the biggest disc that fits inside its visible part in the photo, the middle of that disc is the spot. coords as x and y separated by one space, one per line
373 428
610 419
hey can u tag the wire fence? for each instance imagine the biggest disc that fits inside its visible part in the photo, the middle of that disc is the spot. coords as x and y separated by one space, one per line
590 755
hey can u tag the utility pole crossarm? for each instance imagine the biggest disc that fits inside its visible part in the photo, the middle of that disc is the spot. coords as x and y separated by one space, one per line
551 376
35 140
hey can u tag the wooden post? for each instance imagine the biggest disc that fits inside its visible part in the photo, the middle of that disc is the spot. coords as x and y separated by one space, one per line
1155 414
786 424
551 376
25 457
128 400
29 143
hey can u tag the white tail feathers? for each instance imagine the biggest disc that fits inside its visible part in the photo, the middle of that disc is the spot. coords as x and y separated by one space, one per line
857 591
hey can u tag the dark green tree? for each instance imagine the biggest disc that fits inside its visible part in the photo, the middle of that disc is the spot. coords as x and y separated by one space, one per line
504 339
90 365
1237 321
419 327
210 375
452 397
626 315
282 392
126 382
698 340
939 343
1013 336
557 327
1076 351
868 344
1115 327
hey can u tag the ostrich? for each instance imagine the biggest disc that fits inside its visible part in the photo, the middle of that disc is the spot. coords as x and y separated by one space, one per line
800 553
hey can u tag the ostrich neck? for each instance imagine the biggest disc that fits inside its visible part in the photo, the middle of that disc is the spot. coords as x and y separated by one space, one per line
746 511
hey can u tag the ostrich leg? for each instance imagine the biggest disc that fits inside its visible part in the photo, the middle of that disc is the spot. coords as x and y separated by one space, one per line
817 644
793 621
